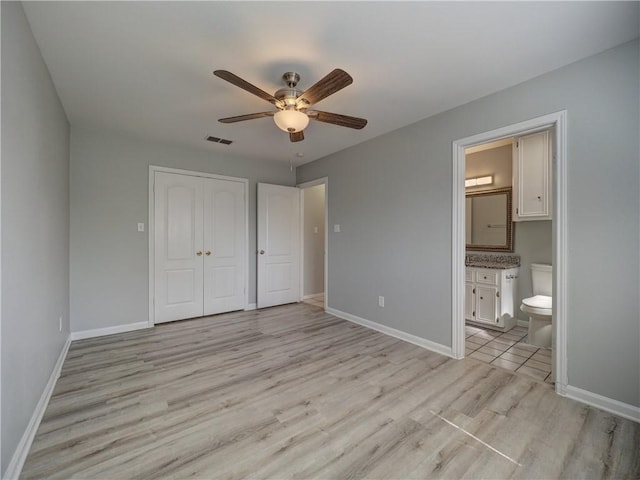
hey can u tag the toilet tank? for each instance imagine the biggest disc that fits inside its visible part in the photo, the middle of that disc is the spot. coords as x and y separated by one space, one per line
541 279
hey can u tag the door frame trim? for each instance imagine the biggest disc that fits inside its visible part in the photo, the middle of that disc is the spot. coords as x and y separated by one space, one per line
559 233
151 230
312 183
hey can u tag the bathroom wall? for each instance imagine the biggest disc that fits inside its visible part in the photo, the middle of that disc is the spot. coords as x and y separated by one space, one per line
533 242
497 162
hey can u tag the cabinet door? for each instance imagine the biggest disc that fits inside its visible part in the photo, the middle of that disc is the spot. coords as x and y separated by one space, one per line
469 301
486 304
532 177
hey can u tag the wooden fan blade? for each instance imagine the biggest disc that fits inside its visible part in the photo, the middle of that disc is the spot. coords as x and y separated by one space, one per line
336 80
337 119
297 136
239 82
250 116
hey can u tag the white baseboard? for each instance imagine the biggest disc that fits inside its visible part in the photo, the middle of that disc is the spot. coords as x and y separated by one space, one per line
101 332
604 403
251 306
313 295
392 332
20 455
523 323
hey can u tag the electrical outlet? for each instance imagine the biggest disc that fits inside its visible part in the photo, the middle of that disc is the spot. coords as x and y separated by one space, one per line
381 301
141 227
60 323
336 228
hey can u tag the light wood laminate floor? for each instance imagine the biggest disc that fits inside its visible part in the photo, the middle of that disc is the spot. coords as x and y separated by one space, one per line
292 392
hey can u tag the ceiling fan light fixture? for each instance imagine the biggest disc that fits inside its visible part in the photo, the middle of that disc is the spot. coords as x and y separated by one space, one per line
292 115
291 120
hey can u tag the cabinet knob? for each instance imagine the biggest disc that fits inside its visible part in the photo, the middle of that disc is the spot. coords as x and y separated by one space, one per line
261 252
199 253
207 253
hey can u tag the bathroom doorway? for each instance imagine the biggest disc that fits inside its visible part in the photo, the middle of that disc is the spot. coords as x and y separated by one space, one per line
503 245
542 241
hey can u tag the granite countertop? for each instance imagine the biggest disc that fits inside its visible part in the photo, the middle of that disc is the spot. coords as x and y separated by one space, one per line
488 260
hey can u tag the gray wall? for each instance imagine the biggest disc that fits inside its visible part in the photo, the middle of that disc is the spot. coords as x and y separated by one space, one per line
313 240
35 226
109 196
392 197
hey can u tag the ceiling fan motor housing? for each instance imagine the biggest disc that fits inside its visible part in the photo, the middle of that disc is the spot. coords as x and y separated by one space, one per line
290 93
288 96
291 79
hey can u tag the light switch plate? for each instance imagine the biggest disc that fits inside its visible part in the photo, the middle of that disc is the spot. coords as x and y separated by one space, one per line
141 227
336 228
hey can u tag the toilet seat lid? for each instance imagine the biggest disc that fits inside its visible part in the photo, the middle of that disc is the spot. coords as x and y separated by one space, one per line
538 301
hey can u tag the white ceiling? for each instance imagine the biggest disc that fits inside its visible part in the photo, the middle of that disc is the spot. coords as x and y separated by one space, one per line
145 68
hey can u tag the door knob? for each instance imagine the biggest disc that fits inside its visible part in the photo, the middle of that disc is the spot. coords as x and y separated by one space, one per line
207 253
199 253
261 252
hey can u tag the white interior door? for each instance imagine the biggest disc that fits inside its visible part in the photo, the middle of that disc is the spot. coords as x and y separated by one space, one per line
178 247
278 245
224 246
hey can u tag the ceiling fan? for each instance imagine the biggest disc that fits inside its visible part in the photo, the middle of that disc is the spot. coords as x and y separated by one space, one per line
292 114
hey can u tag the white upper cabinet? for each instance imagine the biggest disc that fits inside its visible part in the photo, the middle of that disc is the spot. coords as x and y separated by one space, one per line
532 199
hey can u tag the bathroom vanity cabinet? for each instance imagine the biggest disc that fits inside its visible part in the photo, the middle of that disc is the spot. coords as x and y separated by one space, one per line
532 155
490 295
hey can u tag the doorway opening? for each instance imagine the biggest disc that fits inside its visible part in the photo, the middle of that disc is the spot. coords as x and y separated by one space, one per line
508 234
313 238
555 122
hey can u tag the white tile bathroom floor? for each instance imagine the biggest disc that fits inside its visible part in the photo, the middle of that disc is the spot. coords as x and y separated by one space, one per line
508 350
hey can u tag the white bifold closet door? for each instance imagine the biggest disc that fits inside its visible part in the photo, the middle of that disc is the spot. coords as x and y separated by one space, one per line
200 246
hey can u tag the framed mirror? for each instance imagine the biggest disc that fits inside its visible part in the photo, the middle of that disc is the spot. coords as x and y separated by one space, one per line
488 220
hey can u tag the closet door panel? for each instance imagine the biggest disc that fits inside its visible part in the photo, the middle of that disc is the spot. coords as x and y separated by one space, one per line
225 246
178 247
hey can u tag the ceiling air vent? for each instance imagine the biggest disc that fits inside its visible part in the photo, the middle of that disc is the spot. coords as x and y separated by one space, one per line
224 141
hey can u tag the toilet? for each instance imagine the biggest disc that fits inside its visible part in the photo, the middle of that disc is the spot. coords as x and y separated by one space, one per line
538 307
